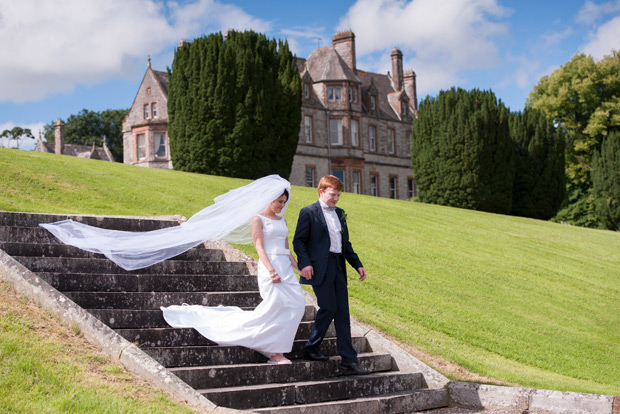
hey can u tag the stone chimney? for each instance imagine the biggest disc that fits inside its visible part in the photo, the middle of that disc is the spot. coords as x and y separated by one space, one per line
344 43
410 88
59 137
397 69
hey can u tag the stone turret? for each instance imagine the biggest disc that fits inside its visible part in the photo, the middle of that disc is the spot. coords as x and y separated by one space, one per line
344 43
410 88
397 69
59 137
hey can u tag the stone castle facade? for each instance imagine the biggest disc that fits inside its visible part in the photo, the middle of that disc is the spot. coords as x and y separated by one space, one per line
355 124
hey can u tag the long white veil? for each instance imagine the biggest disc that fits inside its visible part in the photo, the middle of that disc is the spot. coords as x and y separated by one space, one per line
227 219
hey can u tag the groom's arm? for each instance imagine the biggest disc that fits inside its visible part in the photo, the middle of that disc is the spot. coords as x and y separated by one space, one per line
350 255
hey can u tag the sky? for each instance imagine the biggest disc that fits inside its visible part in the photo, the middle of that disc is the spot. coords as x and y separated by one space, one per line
58 57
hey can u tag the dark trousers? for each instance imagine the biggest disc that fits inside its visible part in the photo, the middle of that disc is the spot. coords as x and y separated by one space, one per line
333 299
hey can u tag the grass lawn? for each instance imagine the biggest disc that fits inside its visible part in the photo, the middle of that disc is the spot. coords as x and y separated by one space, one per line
47 367
516 300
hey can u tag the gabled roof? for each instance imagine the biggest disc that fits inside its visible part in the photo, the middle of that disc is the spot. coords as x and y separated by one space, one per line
326 65
162 79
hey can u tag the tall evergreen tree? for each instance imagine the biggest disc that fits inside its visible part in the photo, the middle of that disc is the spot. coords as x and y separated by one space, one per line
461 151
606 181
234 106
539 181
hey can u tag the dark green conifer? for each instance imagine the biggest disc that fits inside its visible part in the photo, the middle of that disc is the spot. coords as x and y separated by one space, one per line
539 183
461 151
234 106
606 181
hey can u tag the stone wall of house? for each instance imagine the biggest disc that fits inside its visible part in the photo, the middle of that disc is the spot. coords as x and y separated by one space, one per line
142 119
324 159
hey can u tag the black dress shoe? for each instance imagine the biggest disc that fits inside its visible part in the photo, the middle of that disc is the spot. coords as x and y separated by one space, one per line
353 368
314 356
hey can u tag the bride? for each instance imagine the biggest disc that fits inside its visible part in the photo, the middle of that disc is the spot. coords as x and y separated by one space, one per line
270 328
250 213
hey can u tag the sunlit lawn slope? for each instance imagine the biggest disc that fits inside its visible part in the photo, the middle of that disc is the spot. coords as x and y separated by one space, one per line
522 301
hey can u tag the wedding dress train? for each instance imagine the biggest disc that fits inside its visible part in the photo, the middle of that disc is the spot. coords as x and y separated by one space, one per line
271 327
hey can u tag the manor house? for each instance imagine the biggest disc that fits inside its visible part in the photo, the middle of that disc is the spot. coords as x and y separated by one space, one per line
355 124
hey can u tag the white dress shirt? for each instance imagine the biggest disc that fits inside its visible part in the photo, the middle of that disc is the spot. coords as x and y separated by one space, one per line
334 227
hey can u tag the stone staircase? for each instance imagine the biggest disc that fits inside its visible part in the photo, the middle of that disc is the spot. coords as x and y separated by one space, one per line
234 377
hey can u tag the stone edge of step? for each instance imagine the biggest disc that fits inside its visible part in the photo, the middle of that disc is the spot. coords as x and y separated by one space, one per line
95 331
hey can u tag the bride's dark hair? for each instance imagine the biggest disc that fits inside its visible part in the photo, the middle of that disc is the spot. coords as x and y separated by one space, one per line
285 193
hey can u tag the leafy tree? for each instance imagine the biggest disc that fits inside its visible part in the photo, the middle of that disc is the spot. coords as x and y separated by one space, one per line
88 127
583 98
461 151
539 181
234 106
606 182
16 134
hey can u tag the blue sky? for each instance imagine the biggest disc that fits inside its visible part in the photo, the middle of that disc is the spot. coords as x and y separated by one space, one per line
60 56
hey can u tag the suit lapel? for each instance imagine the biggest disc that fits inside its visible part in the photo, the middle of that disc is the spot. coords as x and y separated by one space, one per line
321 216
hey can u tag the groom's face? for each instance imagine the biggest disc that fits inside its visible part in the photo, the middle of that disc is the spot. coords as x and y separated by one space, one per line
329 196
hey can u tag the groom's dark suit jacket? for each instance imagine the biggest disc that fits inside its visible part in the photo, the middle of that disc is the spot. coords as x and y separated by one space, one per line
311 243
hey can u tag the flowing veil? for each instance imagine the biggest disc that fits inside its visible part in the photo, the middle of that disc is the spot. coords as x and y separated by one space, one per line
228 218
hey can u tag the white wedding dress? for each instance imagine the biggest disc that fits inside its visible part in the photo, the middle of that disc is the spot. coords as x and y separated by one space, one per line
271 327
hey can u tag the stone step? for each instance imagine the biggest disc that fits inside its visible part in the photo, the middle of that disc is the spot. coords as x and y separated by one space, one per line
192 356
106 222
98 266
402 402
253 374
312 392
153 300
148 282
64 250
132 319
153 332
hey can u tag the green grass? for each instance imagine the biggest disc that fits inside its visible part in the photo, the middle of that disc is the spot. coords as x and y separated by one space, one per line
46 368
521 301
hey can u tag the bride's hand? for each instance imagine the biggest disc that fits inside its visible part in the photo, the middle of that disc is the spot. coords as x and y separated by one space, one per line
275 278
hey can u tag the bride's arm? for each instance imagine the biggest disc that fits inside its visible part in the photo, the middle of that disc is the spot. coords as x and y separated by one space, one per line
259 245
293 261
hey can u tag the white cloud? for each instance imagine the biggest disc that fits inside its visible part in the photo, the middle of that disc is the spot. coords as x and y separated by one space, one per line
590 12
25 144
439 39
55 45
552 39
604 39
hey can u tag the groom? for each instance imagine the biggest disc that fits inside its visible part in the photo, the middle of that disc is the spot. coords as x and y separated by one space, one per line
322 244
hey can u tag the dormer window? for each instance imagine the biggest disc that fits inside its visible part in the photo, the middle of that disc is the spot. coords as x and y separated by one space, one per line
403 111
373 103
154 110
146 111
306 91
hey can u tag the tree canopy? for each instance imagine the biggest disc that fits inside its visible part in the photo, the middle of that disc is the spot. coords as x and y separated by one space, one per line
539 179
16 134
606 181
234 106
461 151
88 127
583 97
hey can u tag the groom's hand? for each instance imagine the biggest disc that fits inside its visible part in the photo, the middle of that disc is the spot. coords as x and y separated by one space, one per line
362 273
307 272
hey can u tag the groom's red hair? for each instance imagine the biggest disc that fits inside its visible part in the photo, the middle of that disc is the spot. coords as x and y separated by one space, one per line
330 181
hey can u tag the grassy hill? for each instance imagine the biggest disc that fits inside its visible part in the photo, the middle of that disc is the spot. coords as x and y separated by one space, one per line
521 301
